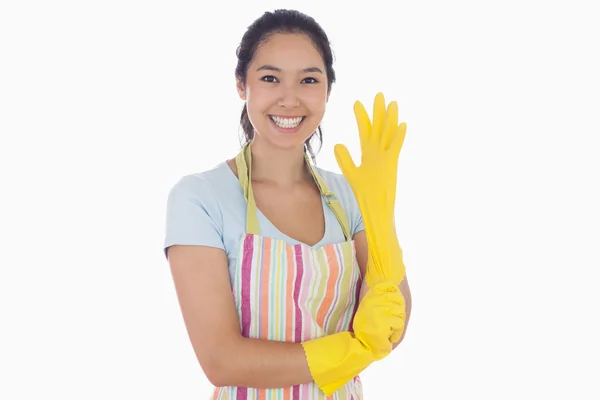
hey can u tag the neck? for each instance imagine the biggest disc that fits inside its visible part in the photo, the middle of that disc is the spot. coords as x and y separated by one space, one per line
283 167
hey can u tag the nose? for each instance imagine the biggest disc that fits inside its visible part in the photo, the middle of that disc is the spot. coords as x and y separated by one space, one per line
288 98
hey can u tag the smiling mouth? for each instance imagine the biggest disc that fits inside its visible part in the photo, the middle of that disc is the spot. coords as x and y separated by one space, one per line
287 123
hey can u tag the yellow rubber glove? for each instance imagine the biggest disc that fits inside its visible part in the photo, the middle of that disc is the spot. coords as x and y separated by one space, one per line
380 318
336 359
374 185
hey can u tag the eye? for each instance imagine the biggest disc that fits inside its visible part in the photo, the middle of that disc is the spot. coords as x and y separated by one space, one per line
309 80
269 78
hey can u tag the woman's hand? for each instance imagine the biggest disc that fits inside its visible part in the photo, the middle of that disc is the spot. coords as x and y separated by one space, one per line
374 185
380 319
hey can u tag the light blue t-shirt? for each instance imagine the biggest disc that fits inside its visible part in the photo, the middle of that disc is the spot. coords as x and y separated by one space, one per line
209 209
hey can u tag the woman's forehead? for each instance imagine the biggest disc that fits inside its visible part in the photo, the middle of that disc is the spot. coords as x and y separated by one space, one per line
288 51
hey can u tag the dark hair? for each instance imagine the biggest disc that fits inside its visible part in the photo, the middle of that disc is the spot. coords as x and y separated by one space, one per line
282 21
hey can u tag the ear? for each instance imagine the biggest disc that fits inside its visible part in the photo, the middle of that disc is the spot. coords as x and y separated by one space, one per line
240 89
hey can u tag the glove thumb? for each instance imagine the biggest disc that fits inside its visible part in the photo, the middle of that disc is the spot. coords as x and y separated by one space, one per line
344 160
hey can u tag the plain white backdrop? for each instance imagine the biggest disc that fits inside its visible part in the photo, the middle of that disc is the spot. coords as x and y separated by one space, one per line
105 105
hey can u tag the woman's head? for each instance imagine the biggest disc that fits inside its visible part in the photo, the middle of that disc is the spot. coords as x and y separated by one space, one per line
285 74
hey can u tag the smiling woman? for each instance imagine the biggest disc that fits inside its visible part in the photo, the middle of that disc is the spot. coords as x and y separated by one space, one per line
285 50
273 267
285 90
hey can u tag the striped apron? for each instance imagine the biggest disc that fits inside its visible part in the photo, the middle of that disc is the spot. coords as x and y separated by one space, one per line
293 293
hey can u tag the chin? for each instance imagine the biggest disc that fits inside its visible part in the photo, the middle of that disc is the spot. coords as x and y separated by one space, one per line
284 143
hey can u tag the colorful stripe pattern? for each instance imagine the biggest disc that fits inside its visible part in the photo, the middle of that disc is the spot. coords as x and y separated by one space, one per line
294 293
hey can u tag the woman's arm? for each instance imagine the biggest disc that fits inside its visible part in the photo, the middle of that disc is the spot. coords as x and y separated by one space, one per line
405 290
201 279
362 256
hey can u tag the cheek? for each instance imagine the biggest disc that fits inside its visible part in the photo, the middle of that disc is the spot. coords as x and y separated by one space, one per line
317 100
318 108
259 99
254 101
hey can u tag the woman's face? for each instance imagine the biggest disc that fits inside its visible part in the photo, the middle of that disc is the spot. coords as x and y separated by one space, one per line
286 90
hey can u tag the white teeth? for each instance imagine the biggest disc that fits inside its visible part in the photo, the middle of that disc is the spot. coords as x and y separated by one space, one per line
287 122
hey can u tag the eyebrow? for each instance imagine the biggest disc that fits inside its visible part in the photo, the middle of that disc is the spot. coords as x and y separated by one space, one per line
305 70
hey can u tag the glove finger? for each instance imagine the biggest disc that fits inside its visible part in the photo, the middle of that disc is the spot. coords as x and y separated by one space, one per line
395 297
344 160
390 293
398 139
385 287
390 125
363 122
378 117
390 299
397 314
396 323
396 307
396 335
382 351
395 303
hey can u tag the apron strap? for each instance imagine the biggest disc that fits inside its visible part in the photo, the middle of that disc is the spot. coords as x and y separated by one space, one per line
243 162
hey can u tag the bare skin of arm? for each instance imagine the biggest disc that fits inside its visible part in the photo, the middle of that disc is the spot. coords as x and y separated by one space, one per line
362 256
201 279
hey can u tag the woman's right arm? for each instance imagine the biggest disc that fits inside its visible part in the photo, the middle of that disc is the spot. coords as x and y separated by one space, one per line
201 279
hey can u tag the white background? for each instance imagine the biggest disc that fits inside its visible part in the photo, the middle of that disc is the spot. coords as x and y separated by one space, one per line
105 105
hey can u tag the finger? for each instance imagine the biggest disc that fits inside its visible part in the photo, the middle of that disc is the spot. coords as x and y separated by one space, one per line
397 311
344 160
385 286
363 122
396 323
396 304
397 335
398 139
390 125
378 117
382 351
395 301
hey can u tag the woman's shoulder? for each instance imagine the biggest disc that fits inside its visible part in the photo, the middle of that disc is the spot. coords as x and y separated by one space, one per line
198 208
213 184
210 178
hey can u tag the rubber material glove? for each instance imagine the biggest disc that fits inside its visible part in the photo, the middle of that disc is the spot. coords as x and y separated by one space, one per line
372 323
336 359
374 185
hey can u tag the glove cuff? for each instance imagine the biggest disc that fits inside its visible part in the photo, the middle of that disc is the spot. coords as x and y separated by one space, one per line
336 359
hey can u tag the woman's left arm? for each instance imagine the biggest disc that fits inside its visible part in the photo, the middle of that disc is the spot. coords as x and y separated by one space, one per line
362 256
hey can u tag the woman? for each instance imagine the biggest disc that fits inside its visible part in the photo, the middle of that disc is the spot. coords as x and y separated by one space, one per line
268 252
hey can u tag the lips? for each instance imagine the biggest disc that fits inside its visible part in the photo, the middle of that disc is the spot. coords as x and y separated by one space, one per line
287 122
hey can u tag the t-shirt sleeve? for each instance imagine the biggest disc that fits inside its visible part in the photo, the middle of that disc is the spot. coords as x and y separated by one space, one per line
358 224
193 215
340 186
355 216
